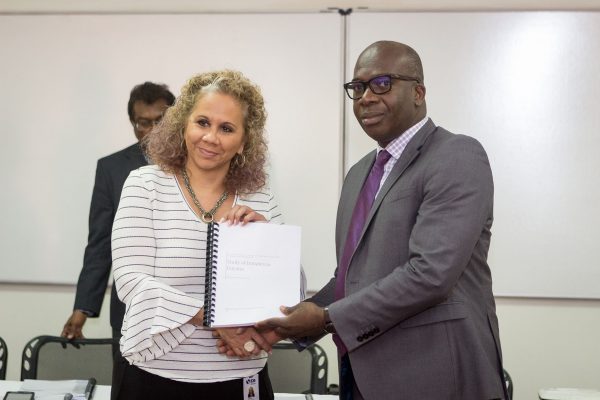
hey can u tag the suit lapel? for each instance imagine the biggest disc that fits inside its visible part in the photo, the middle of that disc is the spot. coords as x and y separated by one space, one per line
410 153
353 191
362 175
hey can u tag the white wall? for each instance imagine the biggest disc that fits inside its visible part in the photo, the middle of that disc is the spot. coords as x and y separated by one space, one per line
546 343
550 343
58 120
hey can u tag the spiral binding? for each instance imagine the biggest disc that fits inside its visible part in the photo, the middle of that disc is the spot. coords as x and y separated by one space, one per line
212 250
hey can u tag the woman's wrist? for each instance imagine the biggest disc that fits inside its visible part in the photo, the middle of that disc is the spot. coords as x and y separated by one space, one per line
198 319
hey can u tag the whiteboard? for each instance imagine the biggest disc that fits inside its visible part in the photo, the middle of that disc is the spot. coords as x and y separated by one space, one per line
524 83
65 83
527 85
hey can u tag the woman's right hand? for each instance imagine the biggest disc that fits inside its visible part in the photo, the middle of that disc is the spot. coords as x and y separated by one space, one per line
264 340
233 341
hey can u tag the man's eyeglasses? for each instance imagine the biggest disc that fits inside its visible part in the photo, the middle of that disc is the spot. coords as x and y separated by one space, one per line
146 124
379 85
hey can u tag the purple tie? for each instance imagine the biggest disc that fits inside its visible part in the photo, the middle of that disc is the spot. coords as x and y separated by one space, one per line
359 216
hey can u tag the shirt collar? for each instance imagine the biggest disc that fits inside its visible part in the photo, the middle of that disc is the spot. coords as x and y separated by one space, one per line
397 146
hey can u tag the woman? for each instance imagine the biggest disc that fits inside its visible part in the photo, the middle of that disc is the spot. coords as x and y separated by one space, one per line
210 153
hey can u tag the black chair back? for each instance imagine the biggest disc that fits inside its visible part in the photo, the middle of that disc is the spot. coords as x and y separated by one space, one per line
292 371
3 358
54 358
509 384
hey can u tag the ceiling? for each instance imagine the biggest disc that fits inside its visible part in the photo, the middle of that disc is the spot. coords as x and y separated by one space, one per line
262 6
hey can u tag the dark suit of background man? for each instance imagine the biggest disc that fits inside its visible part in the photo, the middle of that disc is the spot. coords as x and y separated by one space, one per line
415 315
147 103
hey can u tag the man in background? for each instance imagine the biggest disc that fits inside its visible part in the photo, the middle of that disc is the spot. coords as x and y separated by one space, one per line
410 306
147 104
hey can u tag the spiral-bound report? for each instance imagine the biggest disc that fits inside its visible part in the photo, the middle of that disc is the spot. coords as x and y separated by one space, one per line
251 271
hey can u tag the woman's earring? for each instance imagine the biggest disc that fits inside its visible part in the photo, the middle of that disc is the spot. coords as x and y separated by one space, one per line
240 160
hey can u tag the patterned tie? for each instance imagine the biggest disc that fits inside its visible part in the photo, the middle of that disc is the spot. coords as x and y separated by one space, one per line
359 216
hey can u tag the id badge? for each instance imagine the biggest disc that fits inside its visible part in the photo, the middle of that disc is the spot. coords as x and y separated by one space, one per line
251 388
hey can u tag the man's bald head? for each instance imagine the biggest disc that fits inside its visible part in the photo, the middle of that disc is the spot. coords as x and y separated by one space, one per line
406 56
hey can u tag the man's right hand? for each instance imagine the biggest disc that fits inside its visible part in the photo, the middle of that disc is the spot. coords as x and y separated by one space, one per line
303 319
74 325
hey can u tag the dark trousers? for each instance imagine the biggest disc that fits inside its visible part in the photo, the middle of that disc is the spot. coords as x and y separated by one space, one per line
347 383
138 384
118 366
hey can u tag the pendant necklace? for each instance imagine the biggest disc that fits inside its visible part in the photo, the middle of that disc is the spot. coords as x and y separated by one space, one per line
205 216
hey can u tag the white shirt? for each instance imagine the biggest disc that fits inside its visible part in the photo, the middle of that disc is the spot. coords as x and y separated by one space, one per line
396 148
159 260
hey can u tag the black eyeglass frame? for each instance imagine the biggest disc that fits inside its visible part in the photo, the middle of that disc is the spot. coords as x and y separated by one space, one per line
348 86
149 124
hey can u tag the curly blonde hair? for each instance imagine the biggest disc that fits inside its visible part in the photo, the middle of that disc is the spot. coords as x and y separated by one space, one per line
165 144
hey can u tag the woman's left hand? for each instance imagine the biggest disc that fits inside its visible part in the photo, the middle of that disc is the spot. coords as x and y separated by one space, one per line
242 214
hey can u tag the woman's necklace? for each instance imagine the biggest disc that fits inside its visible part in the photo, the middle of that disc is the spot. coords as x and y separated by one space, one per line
205 216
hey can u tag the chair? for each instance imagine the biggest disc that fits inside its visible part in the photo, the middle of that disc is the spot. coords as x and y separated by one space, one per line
3 357
53 357
509 384
292 371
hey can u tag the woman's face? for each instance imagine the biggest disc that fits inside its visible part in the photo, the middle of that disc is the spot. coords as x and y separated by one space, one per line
214 133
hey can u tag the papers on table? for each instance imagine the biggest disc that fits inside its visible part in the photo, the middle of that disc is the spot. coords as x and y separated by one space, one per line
59 390
569 394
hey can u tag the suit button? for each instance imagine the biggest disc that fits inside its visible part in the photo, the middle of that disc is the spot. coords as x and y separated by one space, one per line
360 338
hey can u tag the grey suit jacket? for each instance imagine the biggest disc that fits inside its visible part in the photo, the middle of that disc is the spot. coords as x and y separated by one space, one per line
111 173
419 317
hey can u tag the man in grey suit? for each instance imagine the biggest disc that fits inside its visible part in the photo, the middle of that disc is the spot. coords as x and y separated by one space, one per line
147 104
411 305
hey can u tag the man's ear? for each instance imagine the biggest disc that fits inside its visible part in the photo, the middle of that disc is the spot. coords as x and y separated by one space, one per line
419 94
